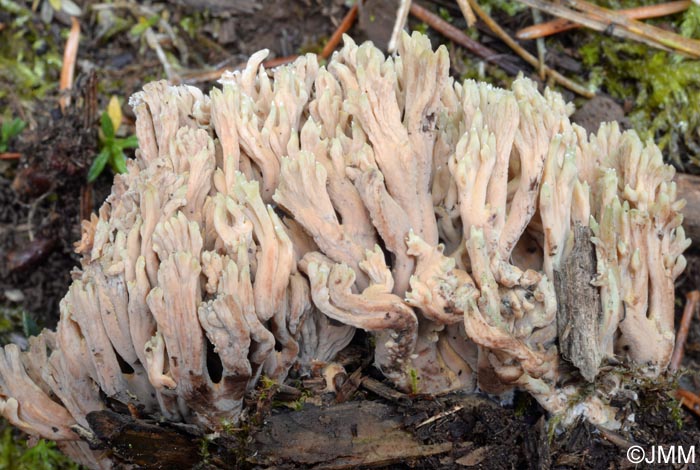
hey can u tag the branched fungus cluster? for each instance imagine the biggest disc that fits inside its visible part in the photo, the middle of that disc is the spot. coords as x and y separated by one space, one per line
261 224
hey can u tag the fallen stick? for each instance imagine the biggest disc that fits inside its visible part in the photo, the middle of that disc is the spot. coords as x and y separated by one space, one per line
331 45
617 24
639 13
401 17
70 55
458 37
337 36
689 400
526 56
691 306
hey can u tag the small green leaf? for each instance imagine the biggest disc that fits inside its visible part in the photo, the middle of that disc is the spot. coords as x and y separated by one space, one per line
29 326
12 128
8 130
55 4
118 162
106 124
143 24
17 126
130 142
98 164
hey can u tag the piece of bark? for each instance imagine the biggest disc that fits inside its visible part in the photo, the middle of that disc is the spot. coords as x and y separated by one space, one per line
345 436
689 189
349 435
579 309
142 443
383 390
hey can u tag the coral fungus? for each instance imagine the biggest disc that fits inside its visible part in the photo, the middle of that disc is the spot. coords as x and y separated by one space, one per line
268 220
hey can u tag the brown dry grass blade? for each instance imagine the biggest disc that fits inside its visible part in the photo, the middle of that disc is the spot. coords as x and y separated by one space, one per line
343 28
526 56
639 13
689 399
691 306
70 54
617 24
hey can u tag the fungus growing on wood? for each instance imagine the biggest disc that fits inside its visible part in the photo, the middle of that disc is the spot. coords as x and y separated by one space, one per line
261 224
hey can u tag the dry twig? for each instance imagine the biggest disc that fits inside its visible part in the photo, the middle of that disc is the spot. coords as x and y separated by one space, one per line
343 28
458 37
10 156
525 55
335 39
541 50
383 390
615 438
211 75
68 69
639 13
617 24
401 17
154 43
691 306
467 12
349 387
689 399
438 416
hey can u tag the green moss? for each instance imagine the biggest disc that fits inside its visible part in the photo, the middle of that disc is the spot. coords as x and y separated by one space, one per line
552 425
445 15
508 7
204 448
662 87
30 55
690 23
10 129
523 403
15 454
421 28
676 410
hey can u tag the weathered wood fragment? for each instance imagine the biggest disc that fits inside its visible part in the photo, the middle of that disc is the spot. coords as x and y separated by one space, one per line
348 435
689 189
578 306
142 443
357 434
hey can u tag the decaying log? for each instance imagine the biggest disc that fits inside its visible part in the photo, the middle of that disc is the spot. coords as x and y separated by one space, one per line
349 435
579 309
355 434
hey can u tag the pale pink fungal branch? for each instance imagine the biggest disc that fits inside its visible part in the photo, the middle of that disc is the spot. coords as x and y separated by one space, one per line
262 224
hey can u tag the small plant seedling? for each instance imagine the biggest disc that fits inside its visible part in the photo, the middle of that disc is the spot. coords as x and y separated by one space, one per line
8 130
112 151
414 381
143 24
